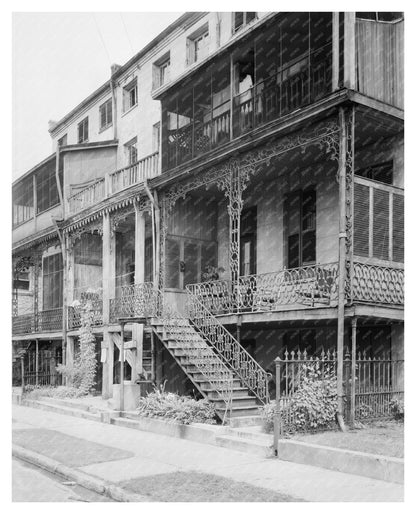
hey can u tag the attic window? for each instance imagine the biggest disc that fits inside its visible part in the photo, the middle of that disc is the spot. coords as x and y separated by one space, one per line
198 44
241 19
83 130
130 95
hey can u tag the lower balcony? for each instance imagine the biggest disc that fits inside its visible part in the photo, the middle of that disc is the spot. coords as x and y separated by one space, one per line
75 315
49 320
134 301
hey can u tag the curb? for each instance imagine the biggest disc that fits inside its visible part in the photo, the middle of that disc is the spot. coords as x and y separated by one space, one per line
80 477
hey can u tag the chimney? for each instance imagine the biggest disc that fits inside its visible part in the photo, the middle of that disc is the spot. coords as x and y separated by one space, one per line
115 68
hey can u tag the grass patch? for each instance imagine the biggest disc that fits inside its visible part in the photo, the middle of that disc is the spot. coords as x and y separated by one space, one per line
71 451
200 487
380 438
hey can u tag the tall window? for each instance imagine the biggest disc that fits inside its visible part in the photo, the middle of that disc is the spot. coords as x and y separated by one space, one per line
52 281
46 189
300 212
83 131
198 44
130 95
156 137
242 18
131 150
23 205
106 114
161 71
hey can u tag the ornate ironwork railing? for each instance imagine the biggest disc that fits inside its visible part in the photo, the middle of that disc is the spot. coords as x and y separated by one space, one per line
74 311
136 300
87 196
311 286
23 324
143 169
228 348
377 284
50 320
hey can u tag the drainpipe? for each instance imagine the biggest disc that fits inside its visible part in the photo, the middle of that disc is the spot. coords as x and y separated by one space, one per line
341 267
58 182
64 298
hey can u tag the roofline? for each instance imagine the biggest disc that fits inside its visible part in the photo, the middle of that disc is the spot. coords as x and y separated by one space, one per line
107 85
35 168
110 143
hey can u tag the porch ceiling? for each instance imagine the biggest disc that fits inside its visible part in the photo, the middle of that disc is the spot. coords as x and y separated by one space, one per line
372 125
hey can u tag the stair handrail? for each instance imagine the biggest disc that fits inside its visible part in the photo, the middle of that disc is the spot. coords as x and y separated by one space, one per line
172 319
252 375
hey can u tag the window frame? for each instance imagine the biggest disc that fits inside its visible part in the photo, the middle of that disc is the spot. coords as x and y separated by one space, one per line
245 22
48 277
107 109
193 54
81 129
23 190
129 146
128 90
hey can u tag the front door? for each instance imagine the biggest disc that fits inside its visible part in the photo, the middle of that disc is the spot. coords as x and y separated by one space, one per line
248 242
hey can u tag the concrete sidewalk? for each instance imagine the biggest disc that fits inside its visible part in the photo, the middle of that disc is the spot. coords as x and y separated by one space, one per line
146 454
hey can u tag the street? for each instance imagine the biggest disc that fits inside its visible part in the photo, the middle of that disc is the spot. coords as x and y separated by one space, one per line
128 457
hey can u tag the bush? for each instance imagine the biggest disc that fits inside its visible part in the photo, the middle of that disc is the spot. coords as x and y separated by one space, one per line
313 405
397 409
183 409
36 392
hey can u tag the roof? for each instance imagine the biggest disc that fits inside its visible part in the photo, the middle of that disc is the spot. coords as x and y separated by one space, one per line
35 168
177 23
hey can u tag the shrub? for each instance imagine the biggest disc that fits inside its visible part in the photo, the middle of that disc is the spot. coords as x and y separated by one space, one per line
183 409
36 392
397 409
364 411
312 406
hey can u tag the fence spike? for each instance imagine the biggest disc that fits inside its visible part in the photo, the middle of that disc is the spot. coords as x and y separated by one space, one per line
292 355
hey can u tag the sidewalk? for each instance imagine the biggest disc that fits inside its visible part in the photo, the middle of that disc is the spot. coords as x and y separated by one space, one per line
118 454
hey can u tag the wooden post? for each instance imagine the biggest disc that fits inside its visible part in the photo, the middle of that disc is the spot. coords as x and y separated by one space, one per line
349 50
153 354
122 368
37 363
341 262
353 367
277 418
22 367
335 50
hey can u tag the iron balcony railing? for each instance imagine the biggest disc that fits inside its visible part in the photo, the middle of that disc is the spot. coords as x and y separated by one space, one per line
143 169
49 320
377 284
134 301
309 286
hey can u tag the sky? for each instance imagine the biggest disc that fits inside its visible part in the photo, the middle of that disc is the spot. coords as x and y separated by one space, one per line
58 59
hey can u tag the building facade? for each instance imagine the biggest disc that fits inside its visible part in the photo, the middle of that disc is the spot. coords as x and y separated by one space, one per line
234 193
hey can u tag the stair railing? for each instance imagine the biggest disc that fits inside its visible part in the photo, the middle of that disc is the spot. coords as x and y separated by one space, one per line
252 375
216 373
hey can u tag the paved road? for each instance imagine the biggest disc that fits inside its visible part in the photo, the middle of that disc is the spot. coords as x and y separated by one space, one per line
117 454
31 484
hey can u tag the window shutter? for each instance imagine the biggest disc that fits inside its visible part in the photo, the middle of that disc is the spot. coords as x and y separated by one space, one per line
381 224
192 262
361 220
398 228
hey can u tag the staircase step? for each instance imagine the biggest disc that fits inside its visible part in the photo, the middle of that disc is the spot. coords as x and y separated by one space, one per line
238 402
238 392
207 386
245 421
252 411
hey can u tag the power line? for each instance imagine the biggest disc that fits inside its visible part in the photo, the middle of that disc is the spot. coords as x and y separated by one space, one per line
126 31
102 39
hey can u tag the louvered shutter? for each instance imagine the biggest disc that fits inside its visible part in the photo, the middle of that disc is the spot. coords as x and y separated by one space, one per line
381 224
361 220
398 228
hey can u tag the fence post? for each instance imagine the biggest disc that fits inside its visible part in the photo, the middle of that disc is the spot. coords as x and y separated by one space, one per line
347 374
22 366
277 420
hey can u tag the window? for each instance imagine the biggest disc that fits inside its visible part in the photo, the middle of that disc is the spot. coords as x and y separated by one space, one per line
380 16
52 281
63 141
156 137
21 281
106 114
130 95
161 71
23 205
46 188
241 19
381 172
300 212
83 131
198 45
131 150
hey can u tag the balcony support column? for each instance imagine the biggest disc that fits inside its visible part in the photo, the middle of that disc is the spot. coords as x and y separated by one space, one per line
108 292
345 179
335 51
139 278
349 50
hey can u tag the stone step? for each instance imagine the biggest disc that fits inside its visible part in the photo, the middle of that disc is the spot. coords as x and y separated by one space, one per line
238 402
245 421
243 411
207 386
238 392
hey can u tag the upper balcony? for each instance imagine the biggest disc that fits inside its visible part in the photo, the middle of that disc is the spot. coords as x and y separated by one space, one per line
144 169
281 66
